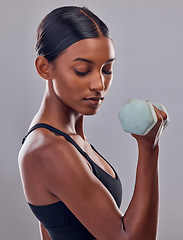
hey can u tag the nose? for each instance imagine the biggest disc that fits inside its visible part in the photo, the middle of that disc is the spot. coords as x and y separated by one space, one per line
97 83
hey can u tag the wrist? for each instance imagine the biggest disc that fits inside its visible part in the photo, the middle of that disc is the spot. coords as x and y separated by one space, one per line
148 150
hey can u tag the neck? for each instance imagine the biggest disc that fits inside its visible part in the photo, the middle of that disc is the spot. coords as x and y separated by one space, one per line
58 114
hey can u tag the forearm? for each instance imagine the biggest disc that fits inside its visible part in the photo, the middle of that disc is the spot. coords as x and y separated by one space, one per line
141 217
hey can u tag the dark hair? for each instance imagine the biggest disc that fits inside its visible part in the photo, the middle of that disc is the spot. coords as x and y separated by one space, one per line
65 26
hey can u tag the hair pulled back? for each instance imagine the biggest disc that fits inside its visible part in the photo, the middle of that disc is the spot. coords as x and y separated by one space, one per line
65 26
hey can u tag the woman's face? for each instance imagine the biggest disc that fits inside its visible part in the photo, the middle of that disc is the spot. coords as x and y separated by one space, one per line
83 74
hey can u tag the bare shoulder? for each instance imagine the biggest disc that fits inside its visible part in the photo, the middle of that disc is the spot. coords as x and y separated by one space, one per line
42 156
40 144
44 153
37 146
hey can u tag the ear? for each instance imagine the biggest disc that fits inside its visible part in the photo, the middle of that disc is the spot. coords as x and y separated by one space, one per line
44 68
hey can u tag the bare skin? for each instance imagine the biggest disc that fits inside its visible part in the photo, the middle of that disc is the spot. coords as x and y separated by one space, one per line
77 83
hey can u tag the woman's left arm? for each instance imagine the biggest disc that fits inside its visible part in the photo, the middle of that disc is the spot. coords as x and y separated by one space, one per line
43 232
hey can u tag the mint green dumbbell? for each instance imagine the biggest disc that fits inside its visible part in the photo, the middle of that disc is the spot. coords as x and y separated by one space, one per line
139 117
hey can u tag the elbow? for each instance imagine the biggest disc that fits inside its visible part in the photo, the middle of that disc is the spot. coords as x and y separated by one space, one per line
137 236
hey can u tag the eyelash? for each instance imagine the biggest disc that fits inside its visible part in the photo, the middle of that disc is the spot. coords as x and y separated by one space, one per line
85 73
107 72
81 73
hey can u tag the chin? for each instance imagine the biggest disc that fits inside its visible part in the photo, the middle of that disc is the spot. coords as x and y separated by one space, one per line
90 112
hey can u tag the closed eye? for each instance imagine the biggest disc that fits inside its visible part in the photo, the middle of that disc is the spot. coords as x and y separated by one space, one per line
107 72
81 73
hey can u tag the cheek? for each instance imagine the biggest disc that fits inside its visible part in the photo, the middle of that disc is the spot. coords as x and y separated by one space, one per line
68 85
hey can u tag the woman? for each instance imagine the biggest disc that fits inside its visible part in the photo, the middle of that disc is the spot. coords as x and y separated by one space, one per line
73 191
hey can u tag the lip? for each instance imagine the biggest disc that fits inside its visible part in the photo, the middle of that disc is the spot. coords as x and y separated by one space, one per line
94 100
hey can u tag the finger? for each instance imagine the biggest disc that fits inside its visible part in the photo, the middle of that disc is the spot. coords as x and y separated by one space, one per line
161 112
160 119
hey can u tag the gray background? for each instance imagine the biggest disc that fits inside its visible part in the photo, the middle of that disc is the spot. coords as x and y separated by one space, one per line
148 38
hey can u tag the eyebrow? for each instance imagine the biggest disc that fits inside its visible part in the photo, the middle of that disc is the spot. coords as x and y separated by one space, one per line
89 61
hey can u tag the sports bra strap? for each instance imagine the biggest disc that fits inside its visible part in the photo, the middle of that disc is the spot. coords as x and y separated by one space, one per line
59 132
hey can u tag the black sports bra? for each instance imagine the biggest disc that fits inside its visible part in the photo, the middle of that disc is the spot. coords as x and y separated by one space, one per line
59 221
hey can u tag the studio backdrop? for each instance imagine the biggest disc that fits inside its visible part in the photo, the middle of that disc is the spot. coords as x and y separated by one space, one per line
148 41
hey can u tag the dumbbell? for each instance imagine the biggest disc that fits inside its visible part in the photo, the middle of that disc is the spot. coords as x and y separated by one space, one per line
139 117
